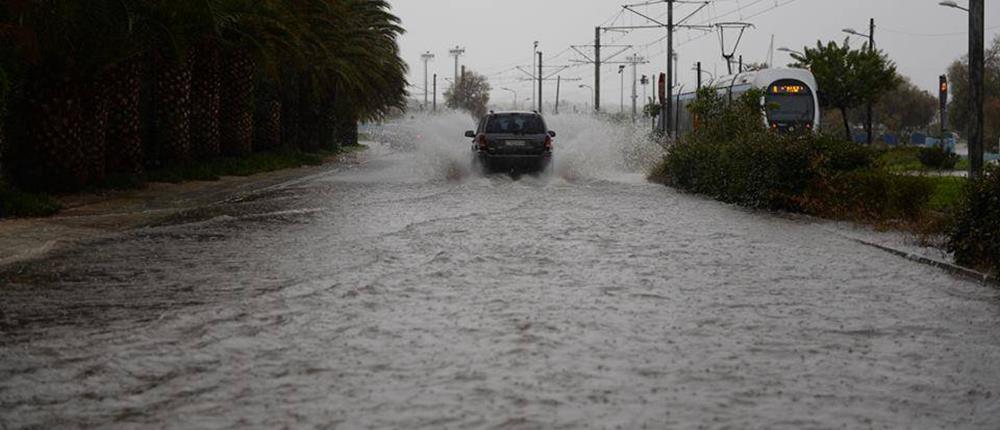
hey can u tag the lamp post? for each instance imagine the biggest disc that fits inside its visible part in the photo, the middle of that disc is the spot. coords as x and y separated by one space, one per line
621 72
515 95
700 72
953 5
871 48
791 51
977 69
591 91
426 58
534 64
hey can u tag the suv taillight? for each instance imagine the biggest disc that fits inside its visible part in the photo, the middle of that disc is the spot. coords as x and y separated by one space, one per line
481 141
548 143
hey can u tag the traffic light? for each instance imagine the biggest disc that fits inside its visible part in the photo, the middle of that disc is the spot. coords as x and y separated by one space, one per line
943 94
943 91
663 88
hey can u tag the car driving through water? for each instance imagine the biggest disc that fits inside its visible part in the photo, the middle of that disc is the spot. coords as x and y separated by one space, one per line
512 142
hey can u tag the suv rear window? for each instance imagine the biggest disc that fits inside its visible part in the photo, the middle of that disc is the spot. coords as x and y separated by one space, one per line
516 124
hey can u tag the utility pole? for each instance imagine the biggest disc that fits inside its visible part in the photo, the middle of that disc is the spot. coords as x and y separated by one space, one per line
869 131
621 72
977 10
599 60
541 79
426 57
597 70
699 76
668 108
558 84
871 47
534 53
435 92
943 99
457 52
635 60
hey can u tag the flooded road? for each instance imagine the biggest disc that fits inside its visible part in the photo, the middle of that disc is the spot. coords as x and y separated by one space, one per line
409 293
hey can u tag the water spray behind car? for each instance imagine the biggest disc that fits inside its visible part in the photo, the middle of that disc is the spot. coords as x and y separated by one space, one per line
434 147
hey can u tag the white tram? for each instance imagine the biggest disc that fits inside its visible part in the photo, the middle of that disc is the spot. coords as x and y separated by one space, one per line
789 94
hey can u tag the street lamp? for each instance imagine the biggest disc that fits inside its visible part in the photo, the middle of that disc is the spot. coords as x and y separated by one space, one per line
703 71
621 70
871 48
515 96
952 4
791 51
977 70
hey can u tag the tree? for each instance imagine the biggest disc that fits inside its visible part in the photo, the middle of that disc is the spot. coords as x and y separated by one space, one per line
958 108
170 80
848 78
906 108
471 94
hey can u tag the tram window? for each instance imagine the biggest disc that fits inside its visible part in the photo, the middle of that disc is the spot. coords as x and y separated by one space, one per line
790 101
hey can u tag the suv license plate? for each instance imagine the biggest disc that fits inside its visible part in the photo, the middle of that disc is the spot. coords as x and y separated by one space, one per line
517 143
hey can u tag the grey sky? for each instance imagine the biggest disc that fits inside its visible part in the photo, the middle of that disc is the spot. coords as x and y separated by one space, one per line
920 36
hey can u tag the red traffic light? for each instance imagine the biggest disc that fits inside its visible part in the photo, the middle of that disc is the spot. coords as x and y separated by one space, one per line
663 88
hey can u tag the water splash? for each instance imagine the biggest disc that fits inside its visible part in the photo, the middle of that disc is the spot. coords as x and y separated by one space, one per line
434 148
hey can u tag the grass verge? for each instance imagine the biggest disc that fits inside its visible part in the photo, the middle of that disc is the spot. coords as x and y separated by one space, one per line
212 170
948 193
15 203
906 159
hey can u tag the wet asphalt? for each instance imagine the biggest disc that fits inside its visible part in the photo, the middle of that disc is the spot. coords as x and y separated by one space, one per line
409 292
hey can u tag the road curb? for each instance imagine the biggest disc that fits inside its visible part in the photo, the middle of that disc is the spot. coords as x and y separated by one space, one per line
24 240
965 272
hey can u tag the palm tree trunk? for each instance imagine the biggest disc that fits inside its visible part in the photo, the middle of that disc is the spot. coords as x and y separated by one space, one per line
291 112
327 126
49 155
236 113
206 86
95 129
172 107
267 125
124 151
267 117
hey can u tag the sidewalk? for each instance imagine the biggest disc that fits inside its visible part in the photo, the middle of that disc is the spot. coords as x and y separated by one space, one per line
90 216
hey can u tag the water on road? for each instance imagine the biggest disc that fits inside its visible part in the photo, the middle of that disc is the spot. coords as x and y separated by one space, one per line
409 293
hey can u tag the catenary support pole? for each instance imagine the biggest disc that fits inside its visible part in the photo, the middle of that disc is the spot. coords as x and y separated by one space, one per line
870 133
597 69
558 85
976 75
435 92
668 123
699 76
541 80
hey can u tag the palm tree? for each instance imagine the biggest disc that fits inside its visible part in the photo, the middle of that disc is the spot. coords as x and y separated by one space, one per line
206 90
175 30
83 103
58 55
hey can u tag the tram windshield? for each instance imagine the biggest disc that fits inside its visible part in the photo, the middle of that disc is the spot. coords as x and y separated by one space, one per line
790 101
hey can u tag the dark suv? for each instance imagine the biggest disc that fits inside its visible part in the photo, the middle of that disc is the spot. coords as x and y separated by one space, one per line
512 141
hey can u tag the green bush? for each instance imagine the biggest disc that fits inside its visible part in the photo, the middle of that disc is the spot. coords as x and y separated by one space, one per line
734 158
975 235
937 158
871 195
